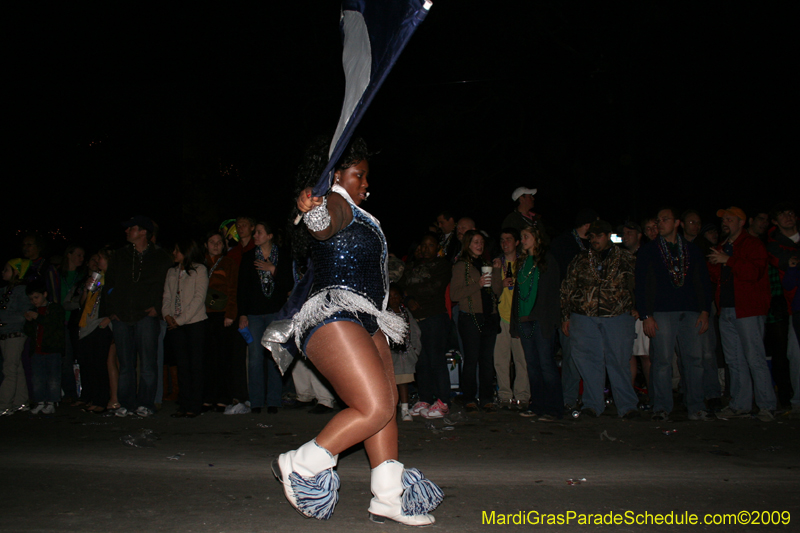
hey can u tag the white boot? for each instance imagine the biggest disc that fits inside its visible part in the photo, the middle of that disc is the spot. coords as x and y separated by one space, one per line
401 495
309 481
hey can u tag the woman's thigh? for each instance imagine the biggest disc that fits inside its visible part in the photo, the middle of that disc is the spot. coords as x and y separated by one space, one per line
358 367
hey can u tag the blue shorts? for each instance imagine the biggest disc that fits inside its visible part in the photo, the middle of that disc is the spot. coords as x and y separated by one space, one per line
369 322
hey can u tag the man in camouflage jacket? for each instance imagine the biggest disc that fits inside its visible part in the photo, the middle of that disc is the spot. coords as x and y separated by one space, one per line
598 314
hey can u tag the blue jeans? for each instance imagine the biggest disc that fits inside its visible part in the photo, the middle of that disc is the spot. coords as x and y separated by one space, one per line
570 377
546 395
478 357
46 377
743 345
255 367
160 365
601 345
708 346
678 327
68 383
433 379
140 338
793 354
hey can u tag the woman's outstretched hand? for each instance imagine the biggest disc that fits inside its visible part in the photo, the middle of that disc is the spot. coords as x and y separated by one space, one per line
306 202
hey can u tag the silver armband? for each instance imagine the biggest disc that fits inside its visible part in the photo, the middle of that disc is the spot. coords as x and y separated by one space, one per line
318 218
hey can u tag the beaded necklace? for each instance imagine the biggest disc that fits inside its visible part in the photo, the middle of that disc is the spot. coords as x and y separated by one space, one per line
677 267
530 280
525 280
267 280
597 264
7 295
178 308
7 298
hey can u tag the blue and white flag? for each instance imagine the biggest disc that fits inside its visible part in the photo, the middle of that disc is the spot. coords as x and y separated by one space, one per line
374 33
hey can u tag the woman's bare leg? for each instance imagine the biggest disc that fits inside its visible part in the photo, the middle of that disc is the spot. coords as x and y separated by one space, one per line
361 371
383 445
402 389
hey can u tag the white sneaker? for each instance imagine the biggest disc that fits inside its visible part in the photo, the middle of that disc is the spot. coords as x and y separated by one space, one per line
732 413
419 407
38 409
765 415
437 410
406 416
122 412
49 409
143 411
701 416
237 409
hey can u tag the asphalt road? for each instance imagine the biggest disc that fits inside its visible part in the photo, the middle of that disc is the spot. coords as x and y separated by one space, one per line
72 472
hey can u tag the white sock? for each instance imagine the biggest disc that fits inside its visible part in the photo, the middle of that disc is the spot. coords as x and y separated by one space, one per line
403 407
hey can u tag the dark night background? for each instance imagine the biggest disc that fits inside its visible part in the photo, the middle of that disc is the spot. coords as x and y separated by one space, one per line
195 114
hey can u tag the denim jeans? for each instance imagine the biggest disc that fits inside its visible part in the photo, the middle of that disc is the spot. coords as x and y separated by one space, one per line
677 328
46 377
255 367
546 395
570 377
132 339
601 345
68 383
433 379
708 347
743 345
793 354
162 332
13 390
478 357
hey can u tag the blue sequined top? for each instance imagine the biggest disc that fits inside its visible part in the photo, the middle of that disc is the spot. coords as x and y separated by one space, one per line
354 260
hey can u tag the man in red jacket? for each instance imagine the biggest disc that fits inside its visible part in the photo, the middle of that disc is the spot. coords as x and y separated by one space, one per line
738 267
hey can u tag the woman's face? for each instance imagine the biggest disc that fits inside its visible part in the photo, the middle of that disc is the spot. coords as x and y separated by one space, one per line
354 181
529 243
476 246
260 235
76 257
102 262
177 255
93 263
214 245
8 273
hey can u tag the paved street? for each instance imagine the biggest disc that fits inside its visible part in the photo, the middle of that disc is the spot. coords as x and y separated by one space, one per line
72 472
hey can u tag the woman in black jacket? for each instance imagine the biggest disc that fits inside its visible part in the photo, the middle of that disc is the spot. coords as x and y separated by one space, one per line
265 280
535 315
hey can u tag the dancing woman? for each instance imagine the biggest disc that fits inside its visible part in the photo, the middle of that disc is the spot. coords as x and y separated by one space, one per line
342 328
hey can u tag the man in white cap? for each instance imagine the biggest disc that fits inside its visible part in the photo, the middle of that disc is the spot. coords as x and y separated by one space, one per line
523 215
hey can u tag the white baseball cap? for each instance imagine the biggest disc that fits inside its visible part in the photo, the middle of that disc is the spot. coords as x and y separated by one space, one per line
519 191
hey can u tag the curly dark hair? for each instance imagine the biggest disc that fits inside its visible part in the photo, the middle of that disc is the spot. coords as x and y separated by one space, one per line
315 159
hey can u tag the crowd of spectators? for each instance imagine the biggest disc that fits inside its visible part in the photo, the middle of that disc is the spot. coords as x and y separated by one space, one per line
634 317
